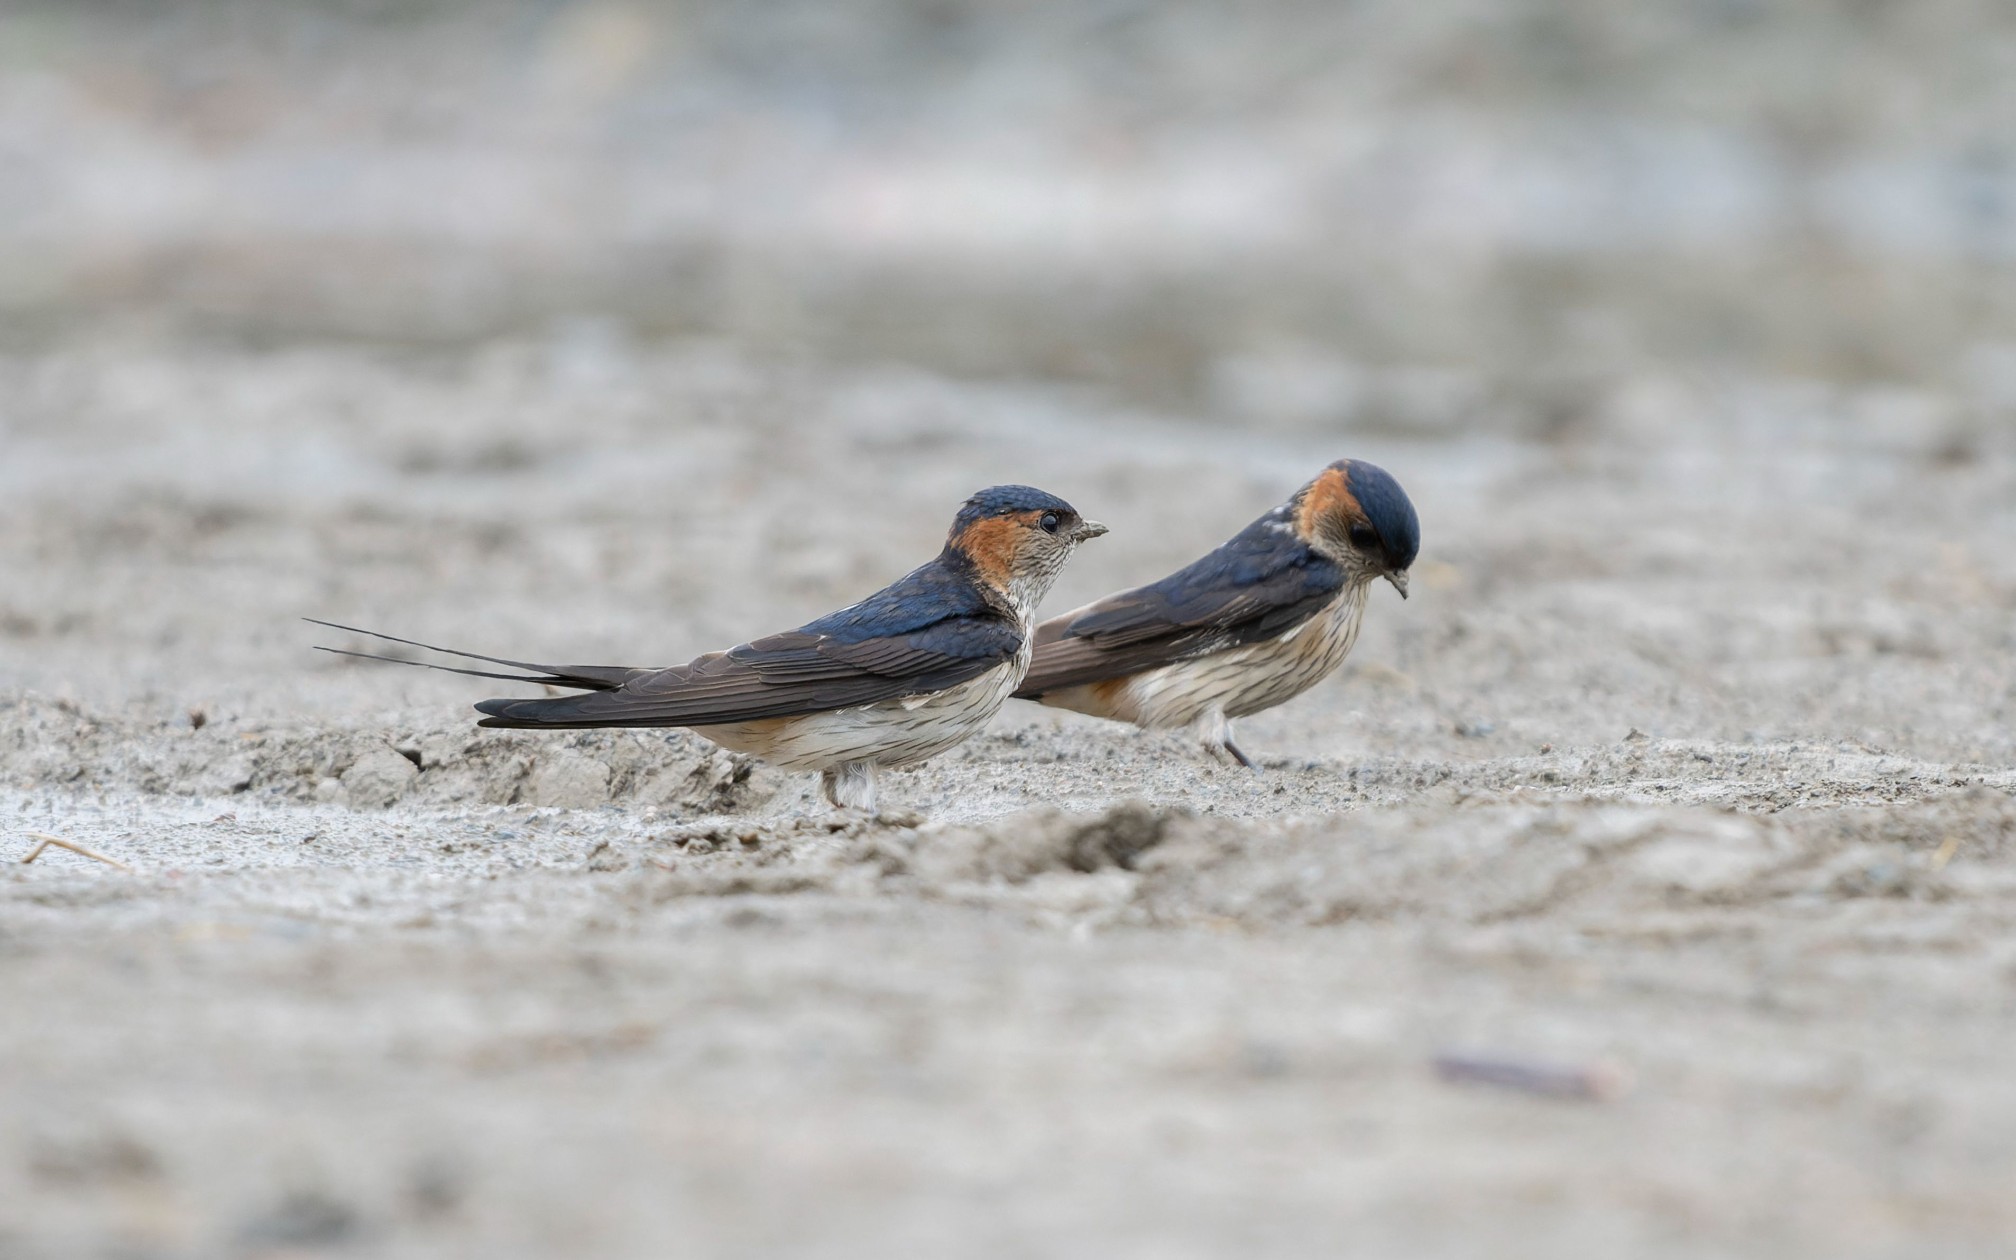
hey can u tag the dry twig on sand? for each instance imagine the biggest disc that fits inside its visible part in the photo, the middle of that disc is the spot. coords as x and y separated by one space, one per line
43 841
1597 1082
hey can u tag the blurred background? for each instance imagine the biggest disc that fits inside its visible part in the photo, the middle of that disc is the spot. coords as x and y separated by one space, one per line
423 311
1377 212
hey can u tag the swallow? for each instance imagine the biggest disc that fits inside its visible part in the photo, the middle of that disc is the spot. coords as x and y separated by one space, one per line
893 680
1253 624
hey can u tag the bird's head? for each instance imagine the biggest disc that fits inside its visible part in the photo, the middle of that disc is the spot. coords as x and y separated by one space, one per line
1017 538
1356 514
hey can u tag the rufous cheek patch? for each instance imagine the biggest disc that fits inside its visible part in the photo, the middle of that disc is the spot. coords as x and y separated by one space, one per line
992 544
1329 496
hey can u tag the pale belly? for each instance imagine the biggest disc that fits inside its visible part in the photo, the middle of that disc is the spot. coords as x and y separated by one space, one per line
1235 682
893 733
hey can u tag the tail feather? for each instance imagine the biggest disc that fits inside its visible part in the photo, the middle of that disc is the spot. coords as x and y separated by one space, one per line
446 669
583 677
553 712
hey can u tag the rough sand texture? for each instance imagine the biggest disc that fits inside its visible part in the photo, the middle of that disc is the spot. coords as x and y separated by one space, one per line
1689 761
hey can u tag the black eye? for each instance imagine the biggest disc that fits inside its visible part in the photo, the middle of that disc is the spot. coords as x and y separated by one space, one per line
1364 537
1049 522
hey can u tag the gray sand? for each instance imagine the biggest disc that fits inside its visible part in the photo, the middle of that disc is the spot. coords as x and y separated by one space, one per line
623 330
1689 761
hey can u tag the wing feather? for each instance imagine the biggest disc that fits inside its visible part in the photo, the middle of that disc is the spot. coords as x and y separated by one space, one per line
785 675
1262 583
929 630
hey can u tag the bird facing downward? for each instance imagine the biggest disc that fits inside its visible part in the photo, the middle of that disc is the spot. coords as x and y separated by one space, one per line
1255 623
905 674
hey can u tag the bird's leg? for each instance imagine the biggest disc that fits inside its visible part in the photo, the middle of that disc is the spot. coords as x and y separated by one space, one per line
1215 729
850 785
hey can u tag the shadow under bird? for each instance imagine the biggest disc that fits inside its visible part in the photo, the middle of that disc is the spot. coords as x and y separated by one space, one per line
1257 622
901 676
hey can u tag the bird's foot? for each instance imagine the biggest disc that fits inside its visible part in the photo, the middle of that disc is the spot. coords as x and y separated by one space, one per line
1238 754
1215 730
850 786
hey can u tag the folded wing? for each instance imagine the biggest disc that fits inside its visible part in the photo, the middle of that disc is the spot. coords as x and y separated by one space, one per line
784 675
1261 584
929 630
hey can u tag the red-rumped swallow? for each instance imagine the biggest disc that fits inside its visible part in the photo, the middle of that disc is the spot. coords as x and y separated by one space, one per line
1257 622
905 674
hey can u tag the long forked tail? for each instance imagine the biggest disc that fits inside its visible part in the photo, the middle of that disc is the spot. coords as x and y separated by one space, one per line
581 677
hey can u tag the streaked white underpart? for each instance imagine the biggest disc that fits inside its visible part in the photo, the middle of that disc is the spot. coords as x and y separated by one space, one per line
1242 680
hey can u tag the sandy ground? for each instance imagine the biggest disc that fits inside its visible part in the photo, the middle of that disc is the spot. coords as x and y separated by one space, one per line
1689 762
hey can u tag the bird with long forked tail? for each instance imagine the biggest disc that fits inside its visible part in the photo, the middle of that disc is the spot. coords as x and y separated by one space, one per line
1251 625
895 679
